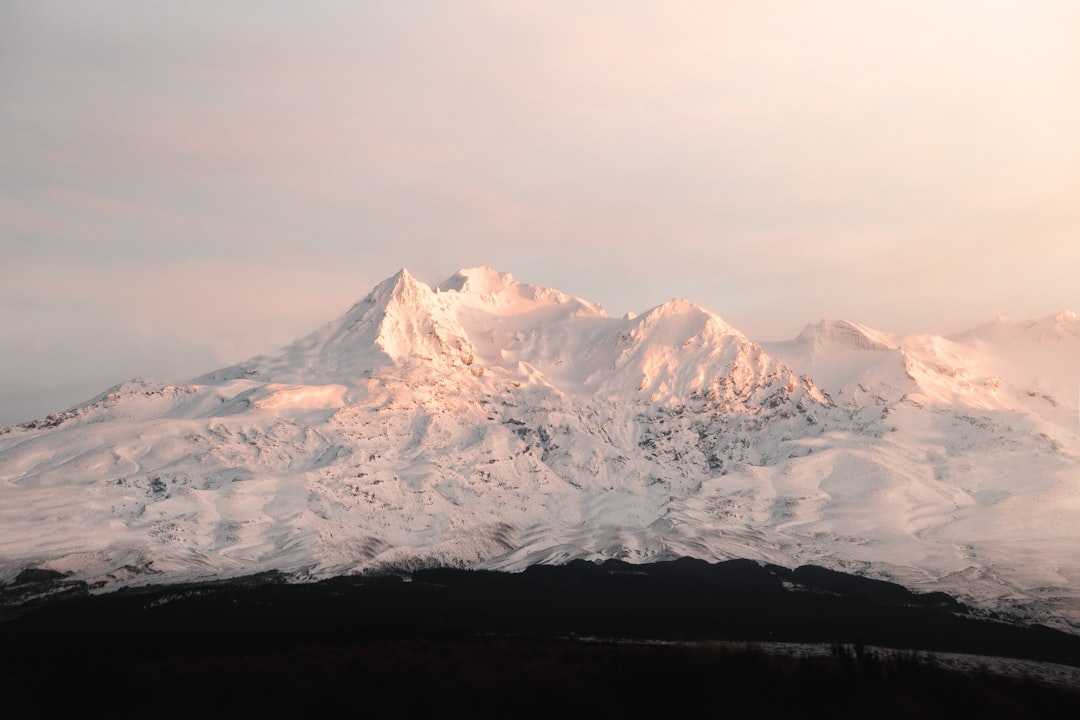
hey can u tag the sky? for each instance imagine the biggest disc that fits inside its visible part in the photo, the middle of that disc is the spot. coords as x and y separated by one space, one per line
185 185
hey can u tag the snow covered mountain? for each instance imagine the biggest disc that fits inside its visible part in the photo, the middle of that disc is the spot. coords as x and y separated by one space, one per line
488 422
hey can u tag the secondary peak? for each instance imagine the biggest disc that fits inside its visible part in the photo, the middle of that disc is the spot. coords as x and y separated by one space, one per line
477 280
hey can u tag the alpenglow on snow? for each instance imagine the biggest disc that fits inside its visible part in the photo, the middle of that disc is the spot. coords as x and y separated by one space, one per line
491 423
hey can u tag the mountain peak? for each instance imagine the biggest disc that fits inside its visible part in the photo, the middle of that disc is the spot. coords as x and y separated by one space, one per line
677 306
493 423
684 318
400 286
844 333
480 279
494 291
1059 326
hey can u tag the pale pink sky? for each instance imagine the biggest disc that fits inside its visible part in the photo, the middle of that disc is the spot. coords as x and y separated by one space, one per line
183 185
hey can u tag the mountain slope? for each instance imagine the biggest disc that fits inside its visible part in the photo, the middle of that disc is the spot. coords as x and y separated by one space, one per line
488 422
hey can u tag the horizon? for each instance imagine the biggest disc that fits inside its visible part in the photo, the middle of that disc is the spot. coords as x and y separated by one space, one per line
186 187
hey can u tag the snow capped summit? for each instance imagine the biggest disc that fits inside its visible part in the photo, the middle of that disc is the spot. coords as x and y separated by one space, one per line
416 322
686 317
399 320
844 333
858 365
400 287
1061 326
489 422
484 288
1040 358
680 349
479 280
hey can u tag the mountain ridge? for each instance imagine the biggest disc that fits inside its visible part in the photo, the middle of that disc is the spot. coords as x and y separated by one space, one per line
486 422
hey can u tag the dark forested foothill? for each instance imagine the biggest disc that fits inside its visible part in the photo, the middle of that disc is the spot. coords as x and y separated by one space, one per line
614 635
